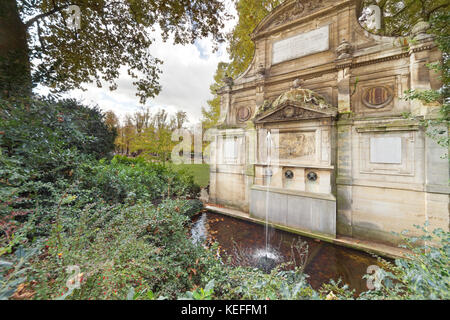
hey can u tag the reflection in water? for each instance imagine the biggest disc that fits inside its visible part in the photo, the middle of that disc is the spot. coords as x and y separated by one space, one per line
245 244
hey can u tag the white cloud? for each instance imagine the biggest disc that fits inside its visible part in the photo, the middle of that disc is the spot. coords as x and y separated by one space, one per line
187 74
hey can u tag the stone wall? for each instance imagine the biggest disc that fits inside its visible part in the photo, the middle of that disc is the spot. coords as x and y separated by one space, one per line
383 171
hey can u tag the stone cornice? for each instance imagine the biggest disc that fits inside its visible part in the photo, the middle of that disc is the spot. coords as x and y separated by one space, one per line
329 68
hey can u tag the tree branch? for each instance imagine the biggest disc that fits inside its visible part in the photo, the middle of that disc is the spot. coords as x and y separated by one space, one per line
435 9
45 14
403 9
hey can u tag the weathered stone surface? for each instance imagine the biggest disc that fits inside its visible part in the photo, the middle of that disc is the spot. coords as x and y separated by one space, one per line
301 45
334 113
302 212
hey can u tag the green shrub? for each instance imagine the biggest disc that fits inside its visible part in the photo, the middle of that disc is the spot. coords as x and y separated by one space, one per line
120 247
423 275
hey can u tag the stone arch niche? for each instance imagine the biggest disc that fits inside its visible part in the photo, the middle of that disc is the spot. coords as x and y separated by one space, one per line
294 171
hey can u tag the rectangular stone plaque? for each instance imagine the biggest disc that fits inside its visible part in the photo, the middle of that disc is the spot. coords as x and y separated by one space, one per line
229 149
386 150
301 45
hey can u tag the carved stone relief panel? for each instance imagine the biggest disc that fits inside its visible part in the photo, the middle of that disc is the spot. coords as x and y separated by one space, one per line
291 113
297 145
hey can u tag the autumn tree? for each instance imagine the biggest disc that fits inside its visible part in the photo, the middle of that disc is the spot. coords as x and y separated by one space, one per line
212 113
141 119
111 120
126 136
38 45
149 135
241 47
180 119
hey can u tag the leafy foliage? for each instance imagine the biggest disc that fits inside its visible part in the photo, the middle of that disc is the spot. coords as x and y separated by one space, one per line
211 115
111 35
122 246
19 265
241 48
425 275
398 17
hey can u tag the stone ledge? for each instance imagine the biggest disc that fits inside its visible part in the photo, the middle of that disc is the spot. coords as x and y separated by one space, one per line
322 196
433 188
297 165
362 245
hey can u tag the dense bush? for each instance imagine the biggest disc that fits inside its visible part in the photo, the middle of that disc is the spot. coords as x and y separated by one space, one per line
135 179
53 186
120 247
125 224
423 275
46 139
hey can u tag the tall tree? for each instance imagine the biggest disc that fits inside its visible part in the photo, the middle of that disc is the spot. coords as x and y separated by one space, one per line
141 119
180 119
111 120
37 42
241 48
212 113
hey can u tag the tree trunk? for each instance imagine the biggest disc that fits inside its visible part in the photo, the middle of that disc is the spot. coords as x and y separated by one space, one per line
15 72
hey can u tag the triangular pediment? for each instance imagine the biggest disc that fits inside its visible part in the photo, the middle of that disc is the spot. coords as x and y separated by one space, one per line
294 112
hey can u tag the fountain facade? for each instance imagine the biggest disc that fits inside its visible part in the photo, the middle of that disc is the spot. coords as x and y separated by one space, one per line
343 159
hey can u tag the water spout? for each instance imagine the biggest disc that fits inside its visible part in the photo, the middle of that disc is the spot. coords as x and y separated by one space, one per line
268 175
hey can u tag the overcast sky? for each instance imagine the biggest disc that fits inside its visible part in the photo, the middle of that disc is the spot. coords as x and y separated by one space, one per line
187 73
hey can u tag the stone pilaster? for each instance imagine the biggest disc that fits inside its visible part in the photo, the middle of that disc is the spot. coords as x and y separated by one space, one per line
225 101
344 63
344 140
419 59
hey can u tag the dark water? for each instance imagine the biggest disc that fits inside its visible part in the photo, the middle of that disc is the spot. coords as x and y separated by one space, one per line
241 241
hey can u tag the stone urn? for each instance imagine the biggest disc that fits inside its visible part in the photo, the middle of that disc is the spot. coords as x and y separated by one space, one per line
419 31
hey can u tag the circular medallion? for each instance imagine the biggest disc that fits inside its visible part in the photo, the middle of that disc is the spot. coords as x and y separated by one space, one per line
244 114
289 112
377 97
